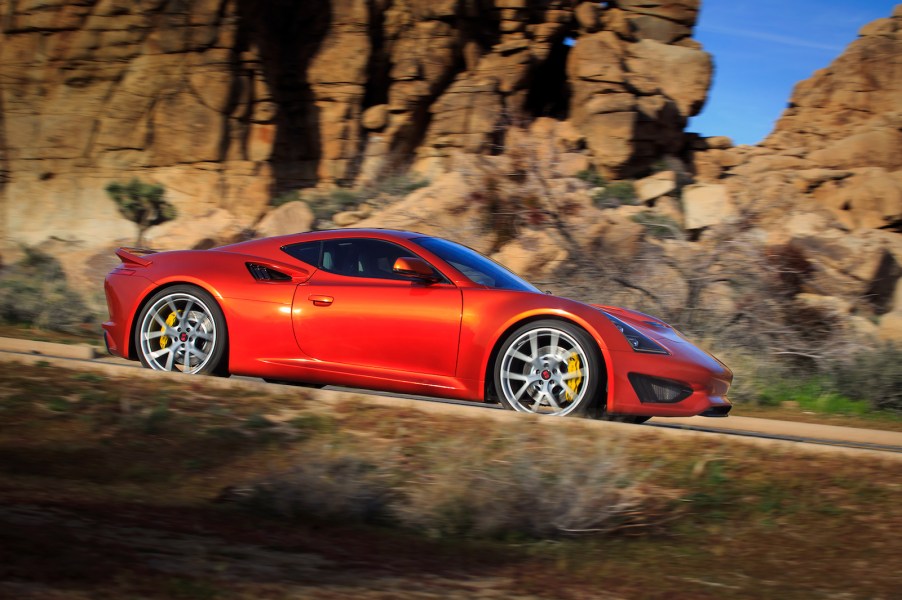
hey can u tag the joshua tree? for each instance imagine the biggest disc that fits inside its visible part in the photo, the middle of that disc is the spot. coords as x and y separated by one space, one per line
142 203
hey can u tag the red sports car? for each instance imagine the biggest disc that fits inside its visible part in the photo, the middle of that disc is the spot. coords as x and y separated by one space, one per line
402 312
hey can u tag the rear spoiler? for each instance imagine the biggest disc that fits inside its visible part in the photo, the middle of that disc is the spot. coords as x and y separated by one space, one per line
135 256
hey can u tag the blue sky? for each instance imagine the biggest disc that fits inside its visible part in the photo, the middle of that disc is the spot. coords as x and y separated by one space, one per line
762 48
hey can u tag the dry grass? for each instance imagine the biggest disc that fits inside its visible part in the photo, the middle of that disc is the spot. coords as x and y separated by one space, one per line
482 481
728 519
35 292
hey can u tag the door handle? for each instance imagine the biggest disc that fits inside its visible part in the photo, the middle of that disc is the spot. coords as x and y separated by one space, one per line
319 300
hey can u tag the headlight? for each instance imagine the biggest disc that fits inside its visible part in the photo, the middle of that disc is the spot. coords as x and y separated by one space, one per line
639 342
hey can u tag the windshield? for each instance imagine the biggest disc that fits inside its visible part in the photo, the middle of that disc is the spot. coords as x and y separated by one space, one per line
475 266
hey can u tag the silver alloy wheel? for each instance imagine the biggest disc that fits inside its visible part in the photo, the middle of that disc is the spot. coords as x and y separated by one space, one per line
178 333
545 371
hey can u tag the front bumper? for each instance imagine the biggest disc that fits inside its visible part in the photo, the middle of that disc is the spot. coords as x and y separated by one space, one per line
686 383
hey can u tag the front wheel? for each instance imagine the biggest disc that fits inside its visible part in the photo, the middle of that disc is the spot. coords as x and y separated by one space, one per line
181 328
548 367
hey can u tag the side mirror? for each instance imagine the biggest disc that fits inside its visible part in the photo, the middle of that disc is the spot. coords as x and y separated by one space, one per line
415 268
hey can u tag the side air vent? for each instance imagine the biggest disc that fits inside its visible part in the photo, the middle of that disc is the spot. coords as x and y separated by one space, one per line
264 273
657 390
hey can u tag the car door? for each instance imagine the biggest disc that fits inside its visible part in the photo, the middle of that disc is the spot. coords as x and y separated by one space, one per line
356 311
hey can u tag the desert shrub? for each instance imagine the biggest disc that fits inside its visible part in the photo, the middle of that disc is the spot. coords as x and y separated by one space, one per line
34 292
141 203
285 197
478 482
811 323
812 393
502 215
399 185
790 269
326 203
659 226
872 375
592 177
659 166
334 479
855 381
615 194
758 320
529 483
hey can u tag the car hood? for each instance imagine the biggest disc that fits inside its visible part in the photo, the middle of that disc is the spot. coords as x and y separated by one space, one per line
647 324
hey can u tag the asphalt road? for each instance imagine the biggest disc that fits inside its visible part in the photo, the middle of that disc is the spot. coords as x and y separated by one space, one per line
752 430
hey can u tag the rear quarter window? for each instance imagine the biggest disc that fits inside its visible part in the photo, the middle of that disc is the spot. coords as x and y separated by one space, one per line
307 252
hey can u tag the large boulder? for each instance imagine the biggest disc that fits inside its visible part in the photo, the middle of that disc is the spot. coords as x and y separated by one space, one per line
206 231
680 74
876 148
635 83
706 205
866 199
534 254
291 217
890 327
448 207
655 186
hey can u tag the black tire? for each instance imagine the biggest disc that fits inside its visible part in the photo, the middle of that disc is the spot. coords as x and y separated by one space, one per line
181 328
549 367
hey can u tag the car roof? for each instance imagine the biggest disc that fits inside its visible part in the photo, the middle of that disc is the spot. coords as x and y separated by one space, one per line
273 244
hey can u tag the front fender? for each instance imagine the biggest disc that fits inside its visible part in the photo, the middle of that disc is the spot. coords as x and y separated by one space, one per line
489 316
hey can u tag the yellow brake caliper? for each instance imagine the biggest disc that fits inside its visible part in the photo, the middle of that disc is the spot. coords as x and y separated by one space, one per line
170 321
573 366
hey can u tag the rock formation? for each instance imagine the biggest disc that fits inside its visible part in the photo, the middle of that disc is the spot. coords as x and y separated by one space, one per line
828 180
523 114
230 102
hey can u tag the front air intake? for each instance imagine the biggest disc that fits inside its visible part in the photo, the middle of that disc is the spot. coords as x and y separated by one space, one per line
654 390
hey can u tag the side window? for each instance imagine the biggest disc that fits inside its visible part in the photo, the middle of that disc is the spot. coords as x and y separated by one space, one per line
362 258
351 257
307 252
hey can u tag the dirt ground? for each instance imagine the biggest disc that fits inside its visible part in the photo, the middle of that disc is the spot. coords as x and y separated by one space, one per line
51 552
126 488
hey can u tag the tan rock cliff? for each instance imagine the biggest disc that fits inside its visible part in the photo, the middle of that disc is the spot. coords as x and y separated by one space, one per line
504 105
229 102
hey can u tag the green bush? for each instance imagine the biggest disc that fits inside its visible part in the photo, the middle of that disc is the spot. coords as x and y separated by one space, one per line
592 177
873 376
34 292
659 226
616 194
141 203
399 185
285 198
868 381
816 394
325 203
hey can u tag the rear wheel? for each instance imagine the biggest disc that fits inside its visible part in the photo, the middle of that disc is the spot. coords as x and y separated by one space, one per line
548 367
181 328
